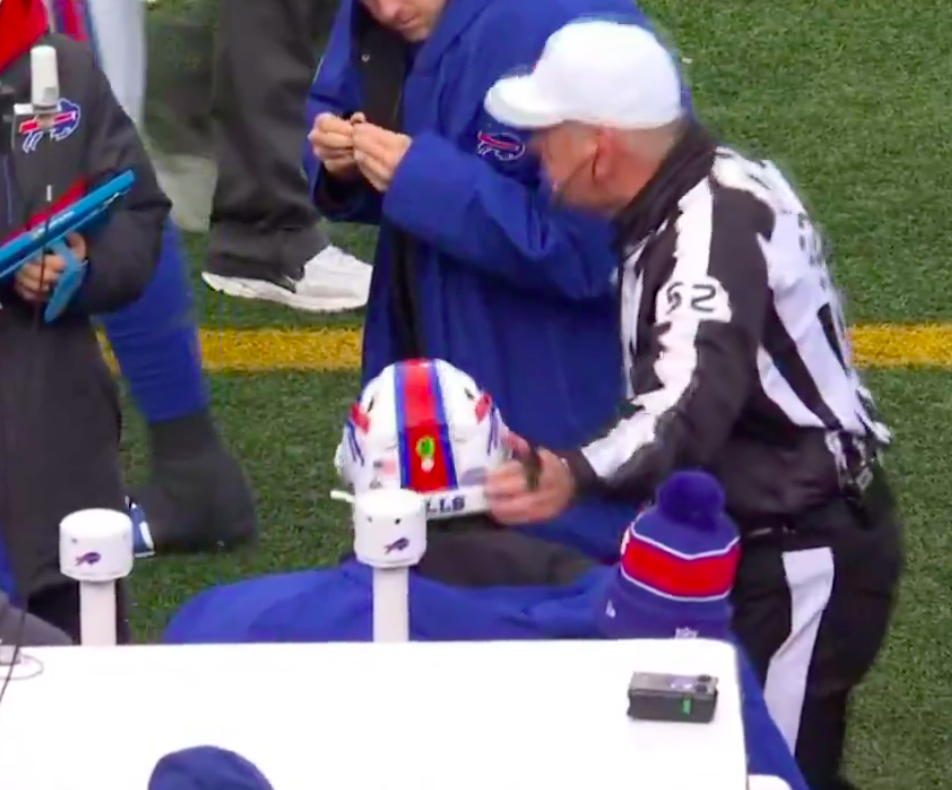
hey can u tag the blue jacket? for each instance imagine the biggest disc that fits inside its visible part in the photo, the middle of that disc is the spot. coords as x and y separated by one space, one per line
335 605
514 290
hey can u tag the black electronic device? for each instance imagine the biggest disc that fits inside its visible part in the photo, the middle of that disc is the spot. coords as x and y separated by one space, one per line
675 698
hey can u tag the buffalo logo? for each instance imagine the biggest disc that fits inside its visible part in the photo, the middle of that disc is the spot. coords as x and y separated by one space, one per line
504 146
401 544
59 125
89 558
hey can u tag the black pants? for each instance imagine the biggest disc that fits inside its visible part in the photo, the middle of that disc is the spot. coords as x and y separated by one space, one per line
812 607
59 606
263 222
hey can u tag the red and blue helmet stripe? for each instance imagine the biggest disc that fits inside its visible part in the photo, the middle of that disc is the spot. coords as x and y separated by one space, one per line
425 449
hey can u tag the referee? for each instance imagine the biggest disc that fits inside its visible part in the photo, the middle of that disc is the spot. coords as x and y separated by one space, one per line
737 362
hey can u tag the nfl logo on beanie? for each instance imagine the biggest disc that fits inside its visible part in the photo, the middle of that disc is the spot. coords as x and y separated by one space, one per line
678 562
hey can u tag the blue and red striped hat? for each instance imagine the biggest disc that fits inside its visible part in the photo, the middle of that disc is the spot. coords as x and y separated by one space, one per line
678 561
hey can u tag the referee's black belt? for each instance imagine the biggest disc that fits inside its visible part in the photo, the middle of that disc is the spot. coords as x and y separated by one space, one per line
846 509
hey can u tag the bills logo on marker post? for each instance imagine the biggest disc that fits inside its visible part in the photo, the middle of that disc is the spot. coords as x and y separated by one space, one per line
89 558
401 544
59 125
504 146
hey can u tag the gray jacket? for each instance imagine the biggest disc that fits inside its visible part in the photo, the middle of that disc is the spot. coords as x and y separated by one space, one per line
59 407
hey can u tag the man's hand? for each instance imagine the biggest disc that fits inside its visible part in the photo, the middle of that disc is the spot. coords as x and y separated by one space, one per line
332 140
378 153
34 280
519 494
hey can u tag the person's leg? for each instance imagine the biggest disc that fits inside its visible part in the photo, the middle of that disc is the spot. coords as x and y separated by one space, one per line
198 496
850 635
813 620
761 602
265 239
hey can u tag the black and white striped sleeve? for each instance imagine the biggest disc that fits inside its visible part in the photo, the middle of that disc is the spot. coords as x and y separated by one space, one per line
702 352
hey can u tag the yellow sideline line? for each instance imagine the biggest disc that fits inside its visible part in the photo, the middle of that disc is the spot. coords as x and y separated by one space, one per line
335 348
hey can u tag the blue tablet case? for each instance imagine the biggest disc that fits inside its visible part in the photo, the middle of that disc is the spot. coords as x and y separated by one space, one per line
51 236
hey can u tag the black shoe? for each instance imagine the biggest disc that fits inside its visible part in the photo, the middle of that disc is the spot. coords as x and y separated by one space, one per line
198 498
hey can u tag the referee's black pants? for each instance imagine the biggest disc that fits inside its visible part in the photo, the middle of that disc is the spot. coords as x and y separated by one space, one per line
812 604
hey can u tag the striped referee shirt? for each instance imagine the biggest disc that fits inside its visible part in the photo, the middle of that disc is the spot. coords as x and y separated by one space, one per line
736 354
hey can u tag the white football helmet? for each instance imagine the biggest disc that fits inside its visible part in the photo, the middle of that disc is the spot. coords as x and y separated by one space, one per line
423 425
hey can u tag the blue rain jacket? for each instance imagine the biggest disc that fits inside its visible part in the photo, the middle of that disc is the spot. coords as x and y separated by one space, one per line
511 288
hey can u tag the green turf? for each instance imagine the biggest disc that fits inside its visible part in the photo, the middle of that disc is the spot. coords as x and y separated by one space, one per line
286 427
854 98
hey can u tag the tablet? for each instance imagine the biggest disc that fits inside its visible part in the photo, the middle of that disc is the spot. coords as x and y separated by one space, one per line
51 235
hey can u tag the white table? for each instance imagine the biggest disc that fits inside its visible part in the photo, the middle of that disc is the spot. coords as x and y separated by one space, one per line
520 715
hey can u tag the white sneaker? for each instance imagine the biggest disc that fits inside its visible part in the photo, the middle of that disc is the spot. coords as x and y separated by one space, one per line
333 281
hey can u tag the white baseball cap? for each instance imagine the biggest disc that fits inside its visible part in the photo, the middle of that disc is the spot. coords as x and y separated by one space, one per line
598 72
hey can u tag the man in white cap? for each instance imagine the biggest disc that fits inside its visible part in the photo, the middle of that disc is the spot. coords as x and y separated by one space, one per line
605 100
736 362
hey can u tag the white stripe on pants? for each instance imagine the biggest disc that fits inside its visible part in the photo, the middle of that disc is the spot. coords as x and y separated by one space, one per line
810 574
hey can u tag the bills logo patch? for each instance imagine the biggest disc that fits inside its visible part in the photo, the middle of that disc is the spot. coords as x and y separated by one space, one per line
59 125
504 146
89 558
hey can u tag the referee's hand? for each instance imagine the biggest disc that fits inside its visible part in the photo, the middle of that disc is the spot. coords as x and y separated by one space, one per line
535 486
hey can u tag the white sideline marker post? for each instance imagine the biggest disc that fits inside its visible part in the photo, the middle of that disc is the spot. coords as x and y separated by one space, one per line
96 550
390 537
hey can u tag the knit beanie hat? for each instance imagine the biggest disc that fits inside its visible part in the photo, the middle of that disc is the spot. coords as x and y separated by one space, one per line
206 768
678 561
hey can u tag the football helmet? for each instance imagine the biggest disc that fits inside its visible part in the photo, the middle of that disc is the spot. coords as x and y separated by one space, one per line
426 426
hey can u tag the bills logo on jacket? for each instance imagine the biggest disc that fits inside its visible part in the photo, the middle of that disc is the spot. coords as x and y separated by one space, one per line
504 146
58 126
426 426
